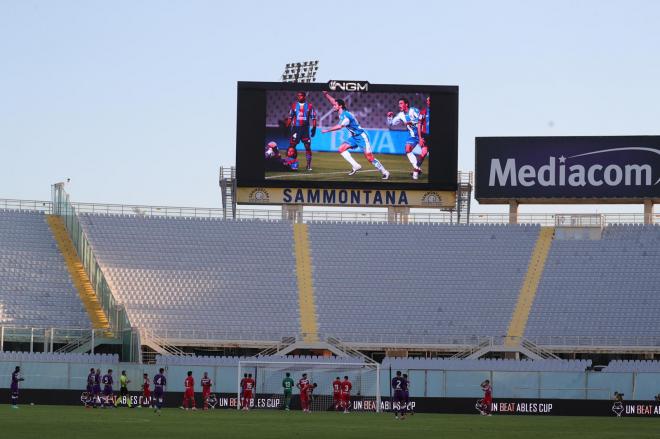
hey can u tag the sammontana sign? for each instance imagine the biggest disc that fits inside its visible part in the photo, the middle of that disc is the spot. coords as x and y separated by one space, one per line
567 169
346 197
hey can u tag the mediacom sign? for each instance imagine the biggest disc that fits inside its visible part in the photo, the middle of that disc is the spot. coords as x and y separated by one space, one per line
567 169
346 197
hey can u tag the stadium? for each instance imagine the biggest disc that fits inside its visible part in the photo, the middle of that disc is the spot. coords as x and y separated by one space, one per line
349 279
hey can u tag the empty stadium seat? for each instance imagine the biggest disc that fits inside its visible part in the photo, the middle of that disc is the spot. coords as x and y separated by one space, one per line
604 291
35 286
200 278
417 283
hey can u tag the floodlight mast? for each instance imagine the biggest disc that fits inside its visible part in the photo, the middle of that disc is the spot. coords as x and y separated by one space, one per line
300 71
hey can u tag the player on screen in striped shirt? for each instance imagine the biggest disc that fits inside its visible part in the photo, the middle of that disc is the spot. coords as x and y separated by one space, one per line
301 115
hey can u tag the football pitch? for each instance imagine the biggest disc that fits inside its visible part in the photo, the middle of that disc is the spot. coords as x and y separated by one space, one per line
330 166
77 422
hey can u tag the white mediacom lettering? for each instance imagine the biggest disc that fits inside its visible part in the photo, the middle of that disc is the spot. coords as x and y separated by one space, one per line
553 173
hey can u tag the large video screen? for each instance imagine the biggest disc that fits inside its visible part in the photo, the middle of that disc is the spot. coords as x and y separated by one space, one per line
332 136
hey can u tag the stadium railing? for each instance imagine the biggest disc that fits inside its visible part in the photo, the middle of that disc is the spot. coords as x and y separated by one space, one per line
353 215
547 343
29 205
115 311
213 337
47 338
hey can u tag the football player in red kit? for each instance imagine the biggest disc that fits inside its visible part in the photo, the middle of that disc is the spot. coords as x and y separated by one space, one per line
206 389
146 391
249 384
189 393
306 396
336 393
346 387
487 402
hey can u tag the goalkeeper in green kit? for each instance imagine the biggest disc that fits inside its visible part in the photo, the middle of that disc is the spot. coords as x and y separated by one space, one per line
287 383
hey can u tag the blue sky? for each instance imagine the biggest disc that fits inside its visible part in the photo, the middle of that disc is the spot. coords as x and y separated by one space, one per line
135 100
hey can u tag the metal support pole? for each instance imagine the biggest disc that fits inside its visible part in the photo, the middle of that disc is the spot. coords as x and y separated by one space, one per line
31 340
238 392
92 350
378 396
52 339
2 339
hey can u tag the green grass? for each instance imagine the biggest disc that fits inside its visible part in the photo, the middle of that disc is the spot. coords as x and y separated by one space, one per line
76 422
330 166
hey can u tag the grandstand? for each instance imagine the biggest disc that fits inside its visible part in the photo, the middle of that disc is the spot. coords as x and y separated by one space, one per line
440 284
35 288
600 292
191 279
176 274
194 287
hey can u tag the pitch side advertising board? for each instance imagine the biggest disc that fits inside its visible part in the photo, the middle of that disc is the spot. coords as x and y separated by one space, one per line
616 169
346 143
500 406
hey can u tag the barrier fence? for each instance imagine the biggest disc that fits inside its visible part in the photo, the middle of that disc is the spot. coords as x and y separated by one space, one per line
424 383
356 215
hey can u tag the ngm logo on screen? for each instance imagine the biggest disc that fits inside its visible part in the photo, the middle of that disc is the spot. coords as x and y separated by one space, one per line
568 167
348 85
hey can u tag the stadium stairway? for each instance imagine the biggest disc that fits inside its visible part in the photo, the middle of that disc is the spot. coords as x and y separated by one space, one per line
304 267
78 275
529 287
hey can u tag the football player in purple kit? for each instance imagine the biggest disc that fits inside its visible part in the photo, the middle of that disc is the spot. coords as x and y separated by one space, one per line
300 115
159 389
96 389
89 401
15 379
399 387
107 389
406 395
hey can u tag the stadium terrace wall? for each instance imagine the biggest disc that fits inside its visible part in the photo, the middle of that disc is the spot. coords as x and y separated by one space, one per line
507 407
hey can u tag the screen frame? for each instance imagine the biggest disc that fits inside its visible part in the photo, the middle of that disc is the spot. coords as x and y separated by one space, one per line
250 162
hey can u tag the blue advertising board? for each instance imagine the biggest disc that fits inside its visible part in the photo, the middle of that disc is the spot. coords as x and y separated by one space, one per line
382 141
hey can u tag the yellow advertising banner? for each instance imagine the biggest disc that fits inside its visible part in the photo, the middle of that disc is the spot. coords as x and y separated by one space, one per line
346 197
